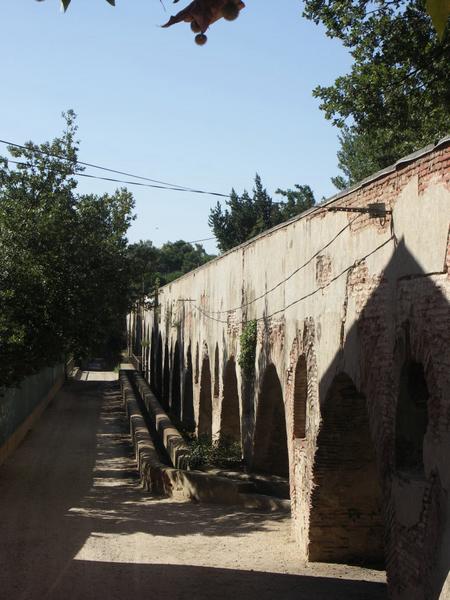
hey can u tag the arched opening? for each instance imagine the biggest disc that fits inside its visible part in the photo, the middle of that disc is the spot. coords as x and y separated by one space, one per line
166 377
176 380
300 398
137 346
147 354
152 362
345 516
230 422
159 368
216 373
197 368
270 452
412 419
188 395
205 407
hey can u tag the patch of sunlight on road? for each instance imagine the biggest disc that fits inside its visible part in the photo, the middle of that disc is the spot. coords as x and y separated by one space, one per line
97 376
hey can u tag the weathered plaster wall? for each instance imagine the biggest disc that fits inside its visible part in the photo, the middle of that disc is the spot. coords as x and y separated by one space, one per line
21 407
346 295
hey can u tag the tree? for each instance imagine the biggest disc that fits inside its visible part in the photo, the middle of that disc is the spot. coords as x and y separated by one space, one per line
151 266
299 199
396 97
247 216
143 259
177 258
63 270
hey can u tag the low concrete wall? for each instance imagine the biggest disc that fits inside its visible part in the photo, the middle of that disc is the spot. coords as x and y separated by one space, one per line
165 480
172 439
21 407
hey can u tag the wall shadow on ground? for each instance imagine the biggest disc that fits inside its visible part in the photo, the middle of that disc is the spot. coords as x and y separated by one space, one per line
93 580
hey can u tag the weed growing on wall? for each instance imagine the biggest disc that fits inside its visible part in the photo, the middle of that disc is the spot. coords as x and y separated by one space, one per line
247 356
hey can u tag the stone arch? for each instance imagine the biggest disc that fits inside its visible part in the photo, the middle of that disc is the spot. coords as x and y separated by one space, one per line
300 398
414 387
159 368
270 450
175 403
230 422
411 419
205 404
188 395
345 517
166 377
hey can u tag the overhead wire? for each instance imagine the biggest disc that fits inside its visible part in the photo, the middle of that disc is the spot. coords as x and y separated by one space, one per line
203 240
306 296
160 184
294 272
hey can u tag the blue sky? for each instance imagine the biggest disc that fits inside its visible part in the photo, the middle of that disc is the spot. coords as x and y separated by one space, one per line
151 102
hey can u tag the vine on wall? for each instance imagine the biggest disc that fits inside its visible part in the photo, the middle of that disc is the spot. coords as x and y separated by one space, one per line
247 356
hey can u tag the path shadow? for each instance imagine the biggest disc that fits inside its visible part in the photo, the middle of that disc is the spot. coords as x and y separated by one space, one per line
94 580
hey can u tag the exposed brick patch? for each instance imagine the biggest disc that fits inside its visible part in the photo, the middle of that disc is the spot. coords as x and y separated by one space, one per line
302 450
345 519
323 269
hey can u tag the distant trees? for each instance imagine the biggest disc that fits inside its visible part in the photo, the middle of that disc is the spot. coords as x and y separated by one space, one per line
151 266
248 215
64 278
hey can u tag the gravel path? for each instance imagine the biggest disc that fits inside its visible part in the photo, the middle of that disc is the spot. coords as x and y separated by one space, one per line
76 525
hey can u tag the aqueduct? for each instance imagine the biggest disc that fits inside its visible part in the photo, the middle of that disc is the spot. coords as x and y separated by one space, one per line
350 395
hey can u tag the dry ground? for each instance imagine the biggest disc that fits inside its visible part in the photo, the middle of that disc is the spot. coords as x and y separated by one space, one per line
76 525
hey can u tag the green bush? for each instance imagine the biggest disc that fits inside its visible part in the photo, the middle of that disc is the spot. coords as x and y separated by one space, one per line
247 356
222 453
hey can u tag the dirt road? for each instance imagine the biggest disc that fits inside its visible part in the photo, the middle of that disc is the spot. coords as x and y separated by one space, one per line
76 525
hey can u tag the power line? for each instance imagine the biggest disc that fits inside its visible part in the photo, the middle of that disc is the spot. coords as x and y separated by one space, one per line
203 240
136 183
277 285
152 185
171 186
309 295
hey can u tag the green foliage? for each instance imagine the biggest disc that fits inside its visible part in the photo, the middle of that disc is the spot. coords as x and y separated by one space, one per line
143 260
63 269
396 97
362 154
219 453
439 11
150 265
298 200
247 216
248 340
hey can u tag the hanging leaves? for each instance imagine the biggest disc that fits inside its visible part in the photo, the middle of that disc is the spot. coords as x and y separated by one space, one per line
203 13
65 3
439 11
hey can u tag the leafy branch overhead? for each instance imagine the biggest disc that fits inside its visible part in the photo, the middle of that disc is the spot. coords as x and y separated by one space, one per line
65 3
203 13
